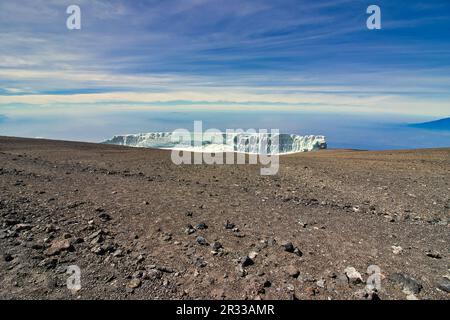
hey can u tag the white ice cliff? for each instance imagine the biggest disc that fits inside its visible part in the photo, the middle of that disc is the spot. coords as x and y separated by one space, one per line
237 142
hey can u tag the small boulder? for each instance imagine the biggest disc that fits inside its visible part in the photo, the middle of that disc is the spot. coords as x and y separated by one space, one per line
434 255
288 246
201 241
58 246
397 249
229 225
201 226
409 284
246 261
444 285
134 283
353 276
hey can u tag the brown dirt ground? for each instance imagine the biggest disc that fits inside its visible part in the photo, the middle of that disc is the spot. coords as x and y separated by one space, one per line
340 208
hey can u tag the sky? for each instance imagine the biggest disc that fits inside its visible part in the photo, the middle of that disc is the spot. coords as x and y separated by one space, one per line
228 54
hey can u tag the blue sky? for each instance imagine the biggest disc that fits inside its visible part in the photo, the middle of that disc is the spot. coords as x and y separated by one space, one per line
305 55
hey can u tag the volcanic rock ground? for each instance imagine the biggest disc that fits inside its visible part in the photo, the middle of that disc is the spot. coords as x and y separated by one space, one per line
140 227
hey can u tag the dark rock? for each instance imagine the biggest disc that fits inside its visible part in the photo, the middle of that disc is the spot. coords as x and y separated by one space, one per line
97 240
444 285
23 226
37 246
201 226
8 257
98 250
434 255
201 241
288 247
49 263
229 225
189 229
246 261
216 245
104 217
200 262
409 284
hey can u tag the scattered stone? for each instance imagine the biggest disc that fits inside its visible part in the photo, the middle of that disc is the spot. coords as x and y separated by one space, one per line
229 225
98 250
252 255
434 254
216 246
134 283
153 274
298 252
58 246
8 257
104 217
444 285
95 234
189 229
302 224
353 276
97 240
396 249
118 253
199 262
201 226
140 258
410 285
201 241
23 226
288 247
50 228
246 261
241 271
49 263
165 269
321 283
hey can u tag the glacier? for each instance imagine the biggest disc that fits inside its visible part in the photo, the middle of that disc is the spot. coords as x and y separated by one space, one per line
252 143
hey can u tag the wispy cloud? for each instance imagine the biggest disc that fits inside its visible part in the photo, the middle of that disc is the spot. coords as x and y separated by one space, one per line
295 53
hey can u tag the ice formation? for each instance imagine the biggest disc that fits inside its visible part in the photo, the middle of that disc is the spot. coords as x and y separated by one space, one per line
222 142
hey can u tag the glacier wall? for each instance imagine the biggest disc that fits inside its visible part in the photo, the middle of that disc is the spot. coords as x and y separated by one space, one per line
223 142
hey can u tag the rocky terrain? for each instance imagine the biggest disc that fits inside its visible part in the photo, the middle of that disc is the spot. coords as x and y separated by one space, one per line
140 227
